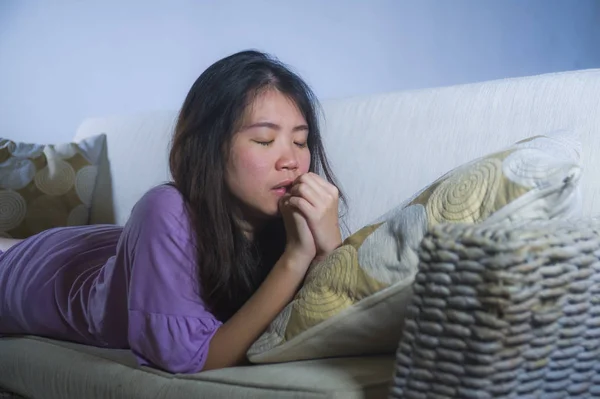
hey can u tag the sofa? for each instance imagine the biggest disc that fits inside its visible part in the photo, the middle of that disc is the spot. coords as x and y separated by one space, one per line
383 148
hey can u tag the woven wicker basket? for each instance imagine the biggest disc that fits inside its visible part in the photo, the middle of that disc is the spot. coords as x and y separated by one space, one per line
504 311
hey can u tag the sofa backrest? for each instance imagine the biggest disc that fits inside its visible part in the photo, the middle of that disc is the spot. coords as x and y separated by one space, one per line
384 147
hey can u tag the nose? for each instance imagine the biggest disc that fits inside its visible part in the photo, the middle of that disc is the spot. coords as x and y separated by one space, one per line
287 160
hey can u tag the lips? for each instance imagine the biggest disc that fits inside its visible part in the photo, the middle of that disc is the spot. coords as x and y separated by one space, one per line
284 184
283 187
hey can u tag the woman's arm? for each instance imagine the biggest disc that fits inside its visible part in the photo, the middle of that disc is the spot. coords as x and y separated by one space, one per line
231 341
169 326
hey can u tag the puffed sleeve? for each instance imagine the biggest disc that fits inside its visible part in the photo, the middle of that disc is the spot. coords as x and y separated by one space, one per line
169 326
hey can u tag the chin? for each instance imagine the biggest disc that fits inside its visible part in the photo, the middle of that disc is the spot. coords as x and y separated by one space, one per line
272 213
263 212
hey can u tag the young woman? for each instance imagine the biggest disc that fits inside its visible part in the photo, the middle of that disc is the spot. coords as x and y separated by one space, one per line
204 262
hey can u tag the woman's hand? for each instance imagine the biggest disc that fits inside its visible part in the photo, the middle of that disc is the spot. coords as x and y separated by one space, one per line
300 241
317 200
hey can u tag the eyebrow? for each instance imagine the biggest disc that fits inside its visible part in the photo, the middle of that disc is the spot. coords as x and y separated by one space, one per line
274 126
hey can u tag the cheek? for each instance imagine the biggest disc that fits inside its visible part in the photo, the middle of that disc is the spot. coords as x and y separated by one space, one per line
304 162
251 165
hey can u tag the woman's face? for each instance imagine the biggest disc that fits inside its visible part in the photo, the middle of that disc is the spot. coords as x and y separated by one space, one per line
267 153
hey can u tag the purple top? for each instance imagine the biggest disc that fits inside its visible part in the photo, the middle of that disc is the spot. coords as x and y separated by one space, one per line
117 287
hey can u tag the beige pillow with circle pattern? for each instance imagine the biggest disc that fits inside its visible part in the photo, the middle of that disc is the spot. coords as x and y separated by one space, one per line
46 185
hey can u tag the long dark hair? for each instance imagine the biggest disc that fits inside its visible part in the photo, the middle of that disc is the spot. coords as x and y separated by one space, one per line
230 266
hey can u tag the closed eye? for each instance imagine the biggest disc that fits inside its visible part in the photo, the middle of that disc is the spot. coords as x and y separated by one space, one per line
264 143
301 145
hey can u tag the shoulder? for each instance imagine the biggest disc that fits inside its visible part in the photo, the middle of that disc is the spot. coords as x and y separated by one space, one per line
162 206
162 196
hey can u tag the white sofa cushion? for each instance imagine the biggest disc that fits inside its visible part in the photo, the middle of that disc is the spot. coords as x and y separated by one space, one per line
42 368
411 137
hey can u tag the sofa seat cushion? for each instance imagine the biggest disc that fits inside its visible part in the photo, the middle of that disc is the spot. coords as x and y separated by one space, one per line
37 367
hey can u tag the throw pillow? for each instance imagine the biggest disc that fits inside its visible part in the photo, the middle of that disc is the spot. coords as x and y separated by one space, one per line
353 302
46 185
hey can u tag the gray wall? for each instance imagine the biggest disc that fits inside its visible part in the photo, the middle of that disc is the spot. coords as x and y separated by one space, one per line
62 61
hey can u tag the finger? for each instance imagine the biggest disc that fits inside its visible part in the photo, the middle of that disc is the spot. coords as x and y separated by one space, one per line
327 192
314 181
283 199
305 207
284 202
309 193
318 181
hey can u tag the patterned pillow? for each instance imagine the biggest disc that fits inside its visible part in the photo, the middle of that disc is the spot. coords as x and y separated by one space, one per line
45 186
352 303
